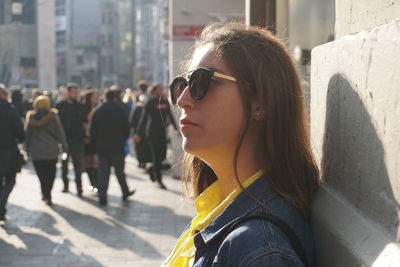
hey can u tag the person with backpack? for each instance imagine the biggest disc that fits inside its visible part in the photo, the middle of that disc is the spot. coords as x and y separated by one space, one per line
44 136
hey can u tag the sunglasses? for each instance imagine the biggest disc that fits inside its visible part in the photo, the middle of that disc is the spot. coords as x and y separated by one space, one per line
198 83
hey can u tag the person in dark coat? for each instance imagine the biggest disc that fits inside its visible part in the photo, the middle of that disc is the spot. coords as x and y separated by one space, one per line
72 117
108 131
18 103
90 101
11 133
44 134
118 91
153 123
142 149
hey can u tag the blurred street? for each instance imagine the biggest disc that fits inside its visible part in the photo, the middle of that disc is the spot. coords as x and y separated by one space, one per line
76 231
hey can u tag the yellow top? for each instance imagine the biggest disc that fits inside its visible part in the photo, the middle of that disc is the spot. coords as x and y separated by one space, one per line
209 205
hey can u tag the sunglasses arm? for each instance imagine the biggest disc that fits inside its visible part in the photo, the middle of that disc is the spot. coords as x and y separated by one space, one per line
223 76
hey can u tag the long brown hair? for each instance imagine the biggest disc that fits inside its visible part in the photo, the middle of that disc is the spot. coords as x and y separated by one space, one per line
265 72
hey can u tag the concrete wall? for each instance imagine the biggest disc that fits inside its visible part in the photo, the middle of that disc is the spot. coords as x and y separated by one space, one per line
354 15
355 131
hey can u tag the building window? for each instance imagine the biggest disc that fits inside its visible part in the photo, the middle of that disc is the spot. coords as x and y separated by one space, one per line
1 12
24 11
110 63
61 71
110 40
107 18
60 11
79 59
76 79
60 39
28 62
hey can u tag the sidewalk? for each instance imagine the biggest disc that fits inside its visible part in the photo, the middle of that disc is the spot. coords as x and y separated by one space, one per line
77 232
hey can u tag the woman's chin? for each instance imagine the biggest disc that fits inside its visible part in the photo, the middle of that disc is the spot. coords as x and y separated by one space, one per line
186 146
189 146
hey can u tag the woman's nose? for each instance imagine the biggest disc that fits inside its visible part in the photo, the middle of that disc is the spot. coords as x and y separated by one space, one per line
185 100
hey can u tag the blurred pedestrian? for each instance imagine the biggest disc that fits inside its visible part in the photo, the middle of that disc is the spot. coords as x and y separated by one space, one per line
142 87
89 101
119 93
11 133
124 106
128 99
152 126
49 94
44 134
248 158
18 103
109 130
72 116
142 148
34 93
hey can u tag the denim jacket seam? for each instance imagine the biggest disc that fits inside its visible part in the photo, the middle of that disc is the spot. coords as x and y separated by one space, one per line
268 232
267 251
245 213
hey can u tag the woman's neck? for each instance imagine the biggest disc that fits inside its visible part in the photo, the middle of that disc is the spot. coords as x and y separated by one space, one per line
223 167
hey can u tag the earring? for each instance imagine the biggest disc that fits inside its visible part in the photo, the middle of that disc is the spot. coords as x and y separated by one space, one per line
259 115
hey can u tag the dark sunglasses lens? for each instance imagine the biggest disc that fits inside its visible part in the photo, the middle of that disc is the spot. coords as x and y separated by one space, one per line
198 83
176 88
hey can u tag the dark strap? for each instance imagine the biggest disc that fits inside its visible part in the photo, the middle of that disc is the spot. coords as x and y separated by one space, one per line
295 242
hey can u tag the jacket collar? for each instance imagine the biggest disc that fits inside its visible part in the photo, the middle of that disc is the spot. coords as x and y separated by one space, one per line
240 207
44 119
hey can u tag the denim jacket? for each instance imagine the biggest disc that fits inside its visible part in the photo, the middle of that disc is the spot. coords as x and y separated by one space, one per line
254 242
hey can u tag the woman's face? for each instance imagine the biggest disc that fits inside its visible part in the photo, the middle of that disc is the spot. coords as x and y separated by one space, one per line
159 91
93 99
211 126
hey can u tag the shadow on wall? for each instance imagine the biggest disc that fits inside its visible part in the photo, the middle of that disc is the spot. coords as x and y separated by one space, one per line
353 162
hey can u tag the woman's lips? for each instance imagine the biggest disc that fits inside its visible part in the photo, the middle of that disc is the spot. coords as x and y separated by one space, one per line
185 124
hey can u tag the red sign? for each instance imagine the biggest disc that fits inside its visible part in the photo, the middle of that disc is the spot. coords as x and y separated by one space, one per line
187 32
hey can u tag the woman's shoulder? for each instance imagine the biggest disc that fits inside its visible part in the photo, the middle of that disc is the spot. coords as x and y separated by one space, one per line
257 242
261 240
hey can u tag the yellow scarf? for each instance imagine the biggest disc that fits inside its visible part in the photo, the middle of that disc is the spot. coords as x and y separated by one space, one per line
209 205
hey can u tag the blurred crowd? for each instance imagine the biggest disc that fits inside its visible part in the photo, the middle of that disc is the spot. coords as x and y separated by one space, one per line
87 127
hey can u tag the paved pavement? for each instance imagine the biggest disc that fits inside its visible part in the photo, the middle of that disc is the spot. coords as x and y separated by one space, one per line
77 232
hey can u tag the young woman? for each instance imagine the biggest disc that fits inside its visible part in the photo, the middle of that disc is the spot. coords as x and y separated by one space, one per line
142 149
44 134
152 125
248 160
89 101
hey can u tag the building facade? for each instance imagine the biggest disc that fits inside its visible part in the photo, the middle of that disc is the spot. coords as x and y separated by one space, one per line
117 45
46 44
18 43
151 43
77 34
